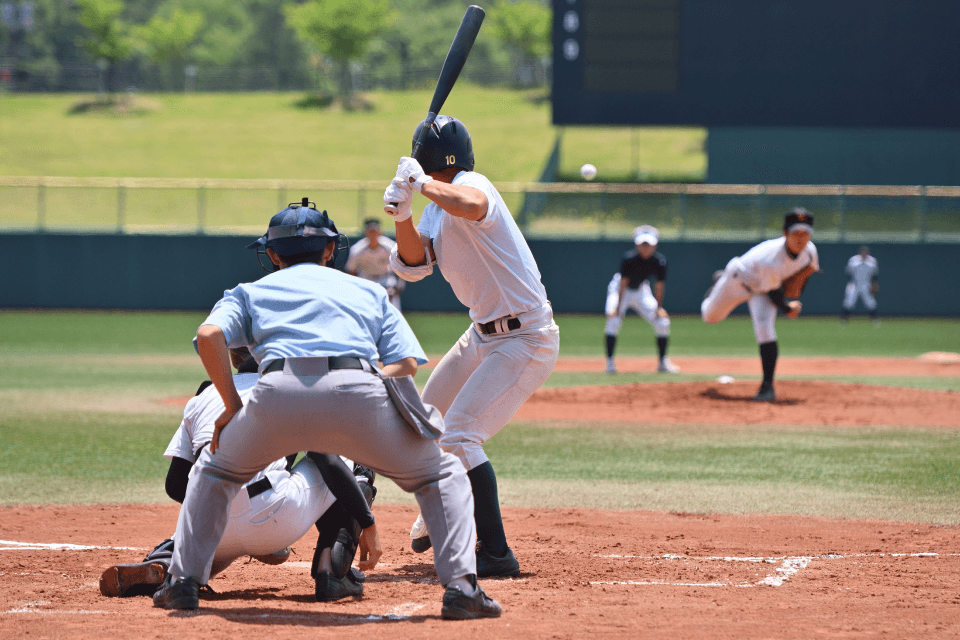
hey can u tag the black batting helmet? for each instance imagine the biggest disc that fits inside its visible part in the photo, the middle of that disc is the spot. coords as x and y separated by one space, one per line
447 144
300 228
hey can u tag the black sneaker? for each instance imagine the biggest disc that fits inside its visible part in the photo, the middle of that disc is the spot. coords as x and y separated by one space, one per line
330 588
183 593
490 566
459 606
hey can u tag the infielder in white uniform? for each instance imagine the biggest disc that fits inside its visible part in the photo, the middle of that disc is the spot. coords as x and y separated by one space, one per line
630 289
511 347
756 278
864 283
370 259
275 509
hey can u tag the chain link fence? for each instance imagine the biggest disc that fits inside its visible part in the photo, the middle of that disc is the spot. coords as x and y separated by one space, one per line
543 210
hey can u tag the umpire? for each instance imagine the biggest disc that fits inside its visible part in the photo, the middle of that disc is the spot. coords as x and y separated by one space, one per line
314 332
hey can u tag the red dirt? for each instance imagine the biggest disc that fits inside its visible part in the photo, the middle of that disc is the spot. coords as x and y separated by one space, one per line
585 572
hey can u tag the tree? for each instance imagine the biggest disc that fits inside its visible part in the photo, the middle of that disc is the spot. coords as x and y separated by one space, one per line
340 29
525 26
109 41
167 40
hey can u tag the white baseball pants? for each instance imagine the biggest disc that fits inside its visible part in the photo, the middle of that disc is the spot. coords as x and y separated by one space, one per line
484 379
856 290
728 293
642 301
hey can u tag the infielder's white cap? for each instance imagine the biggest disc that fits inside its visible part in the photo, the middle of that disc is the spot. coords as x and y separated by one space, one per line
645 234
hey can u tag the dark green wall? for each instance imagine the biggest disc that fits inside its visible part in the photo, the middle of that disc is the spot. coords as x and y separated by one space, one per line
191 272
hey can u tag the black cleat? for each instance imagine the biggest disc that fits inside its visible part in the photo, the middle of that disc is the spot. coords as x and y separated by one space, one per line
330 588
421 545
765 394
459 606
183 593
489 566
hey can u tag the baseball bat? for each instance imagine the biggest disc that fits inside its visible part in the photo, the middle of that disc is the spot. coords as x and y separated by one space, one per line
452 65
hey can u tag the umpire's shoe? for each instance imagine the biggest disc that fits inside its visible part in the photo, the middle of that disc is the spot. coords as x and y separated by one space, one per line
459 606
330 587
182 593
140 579
490 566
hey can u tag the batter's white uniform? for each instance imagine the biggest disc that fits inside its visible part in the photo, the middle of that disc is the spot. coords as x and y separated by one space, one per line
271 520
641 300
484 378
862 271
749 277
374 264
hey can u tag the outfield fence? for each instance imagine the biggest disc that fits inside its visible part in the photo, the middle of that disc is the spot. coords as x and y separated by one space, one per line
843 213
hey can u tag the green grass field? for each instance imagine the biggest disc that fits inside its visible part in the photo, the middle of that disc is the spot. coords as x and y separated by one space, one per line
81 423
265 135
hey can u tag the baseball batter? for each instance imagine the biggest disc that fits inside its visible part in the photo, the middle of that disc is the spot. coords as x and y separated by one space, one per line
274 510
315 332
370 259
630 289
511 346
757 278
864 284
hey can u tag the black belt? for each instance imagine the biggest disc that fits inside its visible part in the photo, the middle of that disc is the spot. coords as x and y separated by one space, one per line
491 327
260 486
333 362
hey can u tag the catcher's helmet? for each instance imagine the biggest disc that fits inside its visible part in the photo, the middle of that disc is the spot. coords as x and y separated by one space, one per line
300 228
447 144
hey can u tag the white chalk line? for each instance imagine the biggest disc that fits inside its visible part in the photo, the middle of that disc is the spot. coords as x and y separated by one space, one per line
789 567
14 545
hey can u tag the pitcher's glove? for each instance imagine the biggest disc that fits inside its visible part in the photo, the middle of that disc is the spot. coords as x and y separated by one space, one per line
793 285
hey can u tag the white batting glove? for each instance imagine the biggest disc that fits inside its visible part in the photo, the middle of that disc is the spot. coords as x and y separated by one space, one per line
410 171
398 201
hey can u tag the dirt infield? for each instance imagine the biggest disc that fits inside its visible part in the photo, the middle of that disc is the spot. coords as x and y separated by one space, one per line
585 572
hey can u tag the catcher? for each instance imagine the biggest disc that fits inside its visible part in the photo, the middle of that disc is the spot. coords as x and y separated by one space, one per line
769 278
278 507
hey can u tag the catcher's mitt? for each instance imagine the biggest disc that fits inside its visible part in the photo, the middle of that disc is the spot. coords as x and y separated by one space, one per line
793 286
874 288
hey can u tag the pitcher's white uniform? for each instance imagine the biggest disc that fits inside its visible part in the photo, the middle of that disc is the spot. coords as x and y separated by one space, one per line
275 516
862 271
749 277
374 264
484 378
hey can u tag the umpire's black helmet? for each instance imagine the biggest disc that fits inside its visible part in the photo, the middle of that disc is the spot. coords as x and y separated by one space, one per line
300 228
447 144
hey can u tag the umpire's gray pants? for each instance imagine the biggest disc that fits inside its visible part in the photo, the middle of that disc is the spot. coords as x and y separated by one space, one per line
345 412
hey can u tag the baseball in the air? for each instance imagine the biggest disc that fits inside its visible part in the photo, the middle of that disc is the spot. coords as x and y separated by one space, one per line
588 171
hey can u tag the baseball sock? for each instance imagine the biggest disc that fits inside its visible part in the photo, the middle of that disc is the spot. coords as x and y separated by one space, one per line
768 358
611 344
486 509
662 346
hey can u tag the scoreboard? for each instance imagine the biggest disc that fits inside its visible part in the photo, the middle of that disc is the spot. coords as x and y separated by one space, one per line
757 63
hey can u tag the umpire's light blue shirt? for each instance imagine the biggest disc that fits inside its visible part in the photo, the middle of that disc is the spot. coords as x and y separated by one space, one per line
307 310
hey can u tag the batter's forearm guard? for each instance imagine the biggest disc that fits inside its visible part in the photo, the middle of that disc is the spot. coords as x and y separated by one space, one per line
408 273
